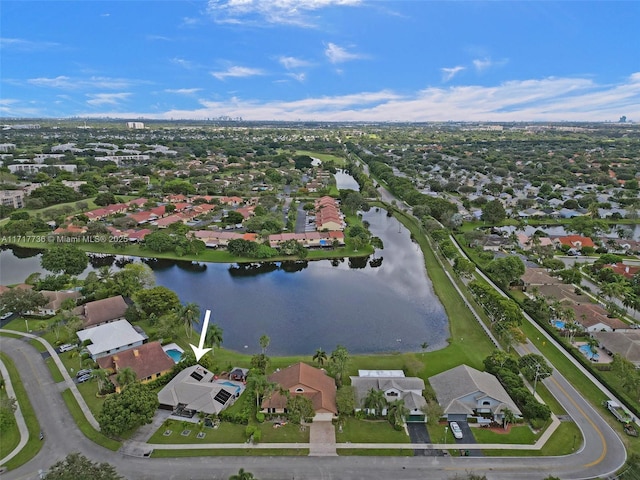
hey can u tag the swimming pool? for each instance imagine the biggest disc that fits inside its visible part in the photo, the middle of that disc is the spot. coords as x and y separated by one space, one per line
558 324
231 385
175 355
586 349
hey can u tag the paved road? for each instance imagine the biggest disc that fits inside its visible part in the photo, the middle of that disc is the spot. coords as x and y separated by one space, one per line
602 454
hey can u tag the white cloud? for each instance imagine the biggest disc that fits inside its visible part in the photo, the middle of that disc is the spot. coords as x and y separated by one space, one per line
69 83
482 64
291 12
449 73
337 54
26 45
97 99
183 63
300 77
547 99
237 71
291 63
183 91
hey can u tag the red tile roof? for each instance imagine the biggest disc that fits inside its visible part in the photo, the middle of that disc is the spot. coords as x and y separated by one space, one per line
302 379
145 360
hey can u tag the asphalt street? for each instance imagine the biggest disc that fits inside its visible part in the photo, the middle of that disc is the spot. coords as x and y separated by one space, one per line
602 453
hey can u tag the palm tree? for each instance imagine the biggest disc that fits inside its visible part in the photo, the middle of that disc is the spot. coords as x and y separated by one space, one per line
320 357
213 336
125 377
242 475
396 413
105 274
264 342
507 417
376 401
189 314
101 376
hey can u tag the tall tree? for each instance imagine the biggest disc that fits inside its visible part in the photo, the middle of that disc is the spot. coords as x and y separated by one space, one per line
396 413
188 315
320 357
339 364
213 336
125 377
21 300
376 401
135 406
76 466
64 258
264 342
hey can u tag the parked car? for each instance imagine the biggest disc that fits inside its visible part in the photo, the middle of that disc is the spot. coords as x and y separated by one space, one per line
6 315
82 373
84 378
66 347
456 430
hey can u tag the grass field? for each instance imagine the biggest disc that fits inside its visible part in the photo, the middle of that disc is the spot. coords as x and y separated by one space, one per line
34 444
369 431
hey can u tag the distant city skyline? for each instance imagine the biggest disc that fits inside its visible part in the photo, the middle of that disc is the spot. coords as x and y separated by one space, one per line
321 60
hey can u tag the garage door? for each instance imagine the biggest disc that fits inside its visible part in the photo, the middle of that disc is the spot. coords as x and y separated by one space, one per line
457 417
415 418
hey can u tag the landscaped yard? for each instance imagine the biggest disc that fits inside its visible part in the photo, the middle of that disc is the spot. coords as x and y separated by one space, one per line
225 433
370 431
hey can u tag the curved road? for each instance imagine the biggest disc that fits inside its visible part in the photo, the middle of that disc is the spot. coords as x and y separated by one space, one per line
602 454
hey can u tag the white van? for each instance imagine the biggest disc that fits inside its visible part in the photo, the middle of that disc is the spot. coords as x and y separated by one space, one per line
66 347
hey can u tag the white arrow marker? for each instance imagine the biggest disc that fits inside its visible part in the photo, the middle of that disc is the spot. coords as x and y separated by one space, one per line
199 351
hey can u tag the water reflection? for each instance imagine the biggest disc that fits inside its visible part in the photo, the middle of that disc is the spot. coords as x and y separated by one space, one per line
363 303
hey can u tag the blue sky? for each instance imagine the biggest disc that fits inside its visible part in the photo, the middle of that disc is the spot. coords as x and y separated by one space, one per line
324 60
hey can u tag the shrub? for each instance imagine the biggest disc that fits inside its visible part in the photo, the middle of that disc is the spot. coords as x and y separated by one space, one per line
260 417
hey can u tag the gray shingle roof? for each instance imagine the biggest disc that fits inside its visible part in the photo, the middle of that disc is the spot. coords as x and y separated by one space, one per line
451 386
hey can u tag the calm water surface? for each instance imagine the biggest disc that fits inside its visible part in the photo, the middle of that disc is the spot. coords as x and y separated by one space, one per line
383 303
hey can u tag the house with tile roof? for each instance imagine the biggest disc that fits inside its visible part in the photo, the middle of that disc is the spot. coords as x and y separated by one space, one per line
303 379
464 393
395 387
148 361
594 318
573 241
102 311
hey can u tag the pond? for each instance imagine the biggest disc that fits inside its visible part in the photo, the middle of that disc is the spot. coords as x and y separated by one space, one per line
381 303
344 181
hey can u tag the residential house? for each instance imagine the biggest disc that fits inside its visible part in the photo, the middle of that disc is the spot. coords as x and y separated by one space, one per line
465 393
55 299
195 389
536 277
303 379
576 242
627 271
594 318
625 344
395 387
148 361
111 338
567 294
102 311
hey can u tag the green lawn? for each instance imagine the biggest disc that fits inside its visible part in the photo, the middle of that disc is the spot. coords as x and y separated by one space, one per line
288 433
521 434
373 452
34 444
224 452
370 431
10 434
225 433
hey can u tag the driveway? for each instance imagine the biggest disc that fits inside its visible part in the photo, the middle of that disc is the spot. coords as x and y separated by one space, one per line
468 438
418 434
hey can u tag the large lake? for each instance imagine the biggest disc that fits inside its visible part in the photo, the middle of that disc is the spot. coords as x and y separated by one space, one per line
384 303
